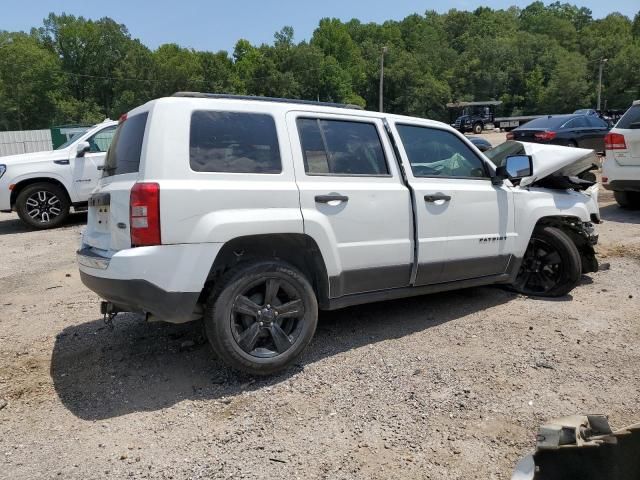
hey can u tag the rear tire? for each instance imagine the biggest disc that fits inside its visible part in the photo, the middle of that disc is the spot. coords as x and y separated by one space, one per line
43 205
630 200
551 266
261 316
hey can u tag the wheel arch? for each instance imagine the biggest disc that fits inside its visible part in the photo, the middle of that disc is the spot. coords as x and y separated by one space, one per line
574 228
300 250
18 187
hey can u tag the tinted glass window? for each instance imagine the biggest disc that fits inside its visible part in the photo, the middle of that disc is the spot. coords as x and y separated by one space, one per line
100 141
546 122
596 122
336 147
234 142
577 122
499 154
126 147
632 116
433 153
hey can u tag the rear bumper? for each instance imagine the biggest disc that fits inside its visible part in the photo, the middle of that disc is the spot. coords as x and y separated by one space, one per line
144 297
623 185
164 280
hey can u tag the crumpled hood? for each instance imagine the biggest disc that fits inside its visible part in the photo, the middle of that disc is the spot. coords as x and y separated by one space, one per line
554 159
47 155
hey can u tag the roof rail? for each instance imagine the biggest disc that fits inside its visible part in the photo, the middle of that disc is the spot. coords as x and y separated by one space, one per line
227 96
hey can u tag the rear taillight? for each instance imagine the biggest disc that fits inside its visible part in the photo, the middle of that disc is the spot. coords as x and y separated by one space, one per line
545 135
511 136
144 216
614 141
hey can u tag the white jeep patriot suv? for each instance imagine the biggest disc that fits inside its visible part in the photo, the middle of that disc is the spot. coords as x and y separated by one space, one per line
621 167
253 213
43 186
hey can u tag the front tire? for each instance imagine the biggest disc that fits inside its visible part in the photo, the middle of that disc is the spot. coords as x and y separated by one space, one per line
630 200
477 128
43 205
261 316
551 266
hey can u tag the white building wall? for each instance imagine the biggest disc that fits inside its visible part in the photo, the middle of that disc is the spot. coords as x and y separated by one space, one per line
24 141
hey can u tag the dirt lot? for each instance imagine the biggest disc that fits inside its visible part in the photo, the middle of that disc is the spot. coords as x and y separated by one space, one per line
446 386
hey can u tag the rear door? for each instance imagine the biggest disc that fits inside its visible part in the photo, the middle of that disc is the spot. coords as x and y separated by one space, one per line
108 216
87 169
353 200
465 223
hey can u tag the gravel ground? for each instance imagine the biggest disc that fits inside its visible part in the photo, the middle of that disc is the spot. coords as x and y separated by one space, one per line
451 385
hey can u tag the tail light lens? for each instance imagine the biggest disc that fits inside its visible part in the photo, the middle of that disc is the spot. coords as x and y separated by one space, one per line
545 135
614 141
511 136
144 215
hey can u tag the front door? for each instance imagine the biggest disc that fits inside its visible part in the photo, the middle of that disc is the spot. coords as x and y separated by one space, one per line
87 169
465 223
353 200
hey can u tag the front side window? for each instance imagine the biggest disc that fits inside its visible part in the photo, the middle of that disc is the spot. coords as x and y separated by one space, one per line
101 141
338 147
233 142
437 153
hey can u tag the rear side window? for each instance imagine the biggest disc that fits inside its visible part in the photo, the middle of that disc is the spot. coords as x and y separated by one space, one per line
126 147
437 153
596 122
578 122
631 119
337 147
233 142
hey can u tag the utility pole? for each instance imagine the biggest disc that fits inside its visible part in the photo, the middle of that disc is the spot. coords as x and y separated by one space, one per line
381 94
602 62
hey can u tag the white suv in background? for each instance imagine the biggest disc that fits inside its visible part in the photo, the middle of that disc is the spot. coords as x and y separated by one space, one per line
621 168
43 186
254 213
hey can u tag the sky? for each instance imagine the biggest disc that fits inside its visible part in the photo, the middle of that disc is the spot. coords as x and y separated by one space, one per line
217 25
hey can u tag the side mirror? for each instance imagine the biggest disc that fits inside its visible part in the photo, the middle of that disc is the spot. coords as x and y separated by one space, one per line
82 148
515 167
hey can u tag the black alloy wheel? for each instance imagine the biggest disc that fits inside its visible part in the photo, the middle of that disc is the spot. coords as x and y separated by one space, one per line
261 315
551 266
267 317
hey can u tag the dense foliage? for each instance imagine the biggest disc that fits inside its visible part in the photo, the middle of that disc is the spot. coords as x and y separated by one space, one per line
536 60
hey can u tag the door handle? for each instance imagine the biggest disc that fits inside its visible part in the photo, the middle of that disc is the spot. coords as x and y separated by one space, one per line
437 196
331 198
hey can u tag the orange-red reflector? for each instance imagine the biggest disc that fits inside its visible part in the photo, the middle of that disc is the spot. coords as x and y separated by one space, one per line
12 186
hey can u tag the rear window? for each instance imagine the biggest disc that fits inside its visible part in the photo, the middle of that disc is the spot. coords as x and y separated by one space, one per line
126 147
631 119
546 122
233 142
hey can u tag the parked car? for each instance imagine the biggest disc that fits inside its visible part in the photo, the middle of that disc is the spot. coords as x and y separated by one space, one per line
481 143
254 213
621 167
43 186
584 131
